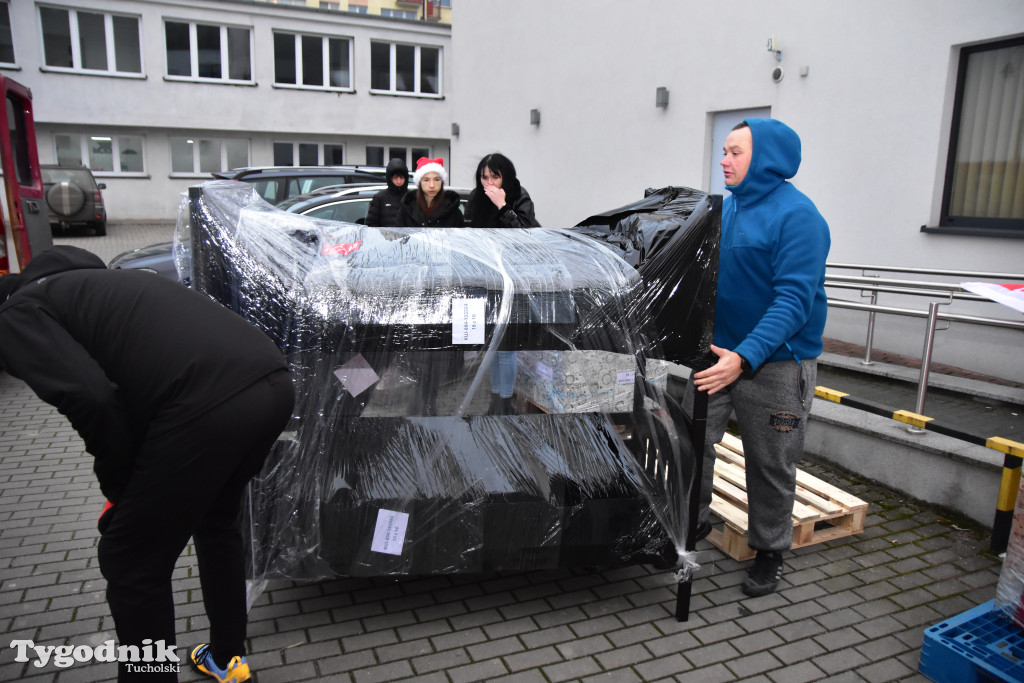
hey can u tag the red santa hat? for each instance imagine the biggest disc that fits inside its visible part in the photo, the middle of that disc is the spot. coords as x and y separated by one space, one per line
425 166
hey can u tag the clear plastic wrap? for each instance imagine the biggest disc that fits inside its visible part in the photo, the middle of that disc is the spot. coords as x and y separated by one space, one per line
396 460
1010 589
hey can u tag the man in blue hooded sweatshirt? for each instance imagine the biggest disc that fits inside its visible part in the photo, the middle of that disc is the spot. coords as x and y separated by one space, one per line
769 318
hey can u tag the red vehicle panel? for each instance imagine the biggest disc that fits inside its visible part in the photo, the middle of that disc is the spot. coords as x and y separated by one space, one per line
26 215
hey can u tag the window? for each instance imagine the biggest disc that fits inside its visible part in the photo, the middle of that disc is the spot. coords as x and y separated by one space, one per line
204 51
6 38
195 156
358 9
334 155
78 40
400 153
405 69
307 154
984 187
307 61
397 13
349 211
18 134
375 156
418 153
101 153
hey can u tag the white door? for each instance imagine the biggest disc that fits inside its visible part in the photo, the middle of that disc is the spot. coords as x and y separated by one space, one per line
723 123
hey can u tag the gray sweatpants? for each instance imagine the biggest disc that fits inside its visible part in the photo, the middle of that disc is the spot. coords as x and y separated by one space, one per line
771 410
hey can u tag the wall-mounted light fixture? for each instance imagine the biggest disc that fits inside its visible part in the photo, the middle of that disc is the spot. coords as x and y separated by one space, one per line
535 117
773 46
661 97
455 130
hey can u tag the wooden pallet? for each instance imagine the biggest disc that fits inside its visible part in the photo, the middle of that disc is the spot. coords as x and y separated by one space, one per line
821 511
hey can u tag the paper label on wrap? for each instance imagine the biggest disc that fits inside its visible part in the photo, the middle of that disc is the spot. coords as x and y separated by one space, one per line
626 377
389 535
468 316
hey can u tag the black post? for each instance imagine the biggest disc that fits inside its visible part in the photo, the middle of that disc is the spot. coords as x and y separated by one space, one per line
700 423
1005 505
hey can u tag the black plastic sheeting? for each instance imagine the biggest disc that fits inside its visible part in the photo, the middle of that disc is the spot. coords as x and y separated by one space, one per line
395 461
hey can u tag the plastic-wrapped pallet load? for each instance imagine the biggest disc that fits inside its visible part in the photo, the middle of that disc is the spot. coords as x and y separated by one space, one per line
392 464
1010 589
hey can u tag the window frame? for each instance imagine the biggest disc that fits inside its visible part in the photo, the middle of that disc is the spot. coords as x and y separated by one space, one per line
970 225
325 55
417 70
391 13
321 152
196 172
387 152
115 152
110 43
12 64
193 47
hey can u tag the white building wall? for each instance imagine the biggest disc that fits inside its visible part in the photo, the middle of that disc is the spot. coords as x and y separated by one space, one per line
158 108
873 113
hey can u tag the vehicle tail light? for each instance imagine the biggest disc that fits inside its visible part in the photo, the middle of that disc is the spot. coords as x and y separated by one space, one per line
97 198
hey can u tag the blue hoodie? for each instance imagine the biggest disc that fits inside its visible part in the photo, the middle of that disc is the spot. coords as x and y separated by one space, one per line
771 303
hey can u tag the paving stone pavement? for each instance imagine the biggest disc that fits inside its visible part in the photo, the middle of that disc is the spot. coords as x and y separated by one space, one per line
850 609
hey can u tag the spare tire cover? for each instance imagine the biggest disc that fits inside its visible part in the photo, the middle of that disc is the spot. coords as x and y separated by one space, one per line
65 198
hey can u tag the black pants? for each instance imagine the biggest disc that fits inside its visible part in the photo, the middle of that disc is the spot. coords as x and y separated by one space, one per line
189 482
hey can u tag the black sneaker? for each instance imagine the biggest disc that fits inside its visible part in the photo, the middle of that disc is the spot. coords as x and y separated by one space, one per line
764 576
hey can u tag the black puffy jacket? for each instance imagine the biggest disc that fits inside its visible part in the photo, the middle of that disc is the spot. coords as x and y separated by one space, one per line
447 215
517 213
385 204
122 354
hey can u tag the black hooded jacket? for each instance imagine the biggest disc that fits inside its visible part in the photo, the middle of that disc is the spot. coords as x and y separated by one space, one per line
518 211
446 215
123 354
385 204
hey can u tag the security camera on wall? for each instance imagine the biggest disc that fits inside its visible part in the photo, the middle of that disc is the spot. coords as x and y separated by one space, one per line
778 73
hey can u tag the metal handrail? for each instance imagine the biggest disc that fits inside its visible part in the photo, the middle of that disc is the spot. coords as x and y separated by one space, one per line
918 284
930 271
900 290
914 313
873 285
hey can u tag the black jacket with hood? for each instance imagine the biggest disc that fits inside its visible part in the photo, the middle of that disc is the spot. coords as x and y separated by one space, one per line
518 211
385 204
446 215
123 354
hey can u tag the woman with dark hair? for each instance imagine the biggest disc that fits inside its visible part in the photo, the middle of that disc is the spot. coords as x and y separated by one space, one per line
430 206
499 201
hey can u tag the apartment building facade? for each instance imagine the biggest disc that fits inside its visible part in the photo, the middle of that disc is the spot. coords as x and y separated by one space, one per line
426 10
154 95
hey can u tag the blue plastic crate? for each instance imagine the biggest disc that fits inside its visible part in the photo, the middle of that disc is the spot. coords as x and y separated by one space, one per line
982 644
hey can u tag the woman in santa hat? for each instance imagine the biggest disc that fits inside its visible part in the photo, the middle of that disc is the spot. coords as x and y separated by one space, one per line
430 206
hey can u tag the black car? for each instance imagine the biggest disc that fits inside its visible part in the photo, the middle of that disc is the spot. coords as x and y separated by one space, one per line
348 204
337 203
73 198
277 183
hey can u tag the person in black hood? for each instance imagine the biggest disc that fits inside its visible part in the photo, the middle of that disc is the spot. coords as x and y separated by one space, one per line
430 206
385 204
179 400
